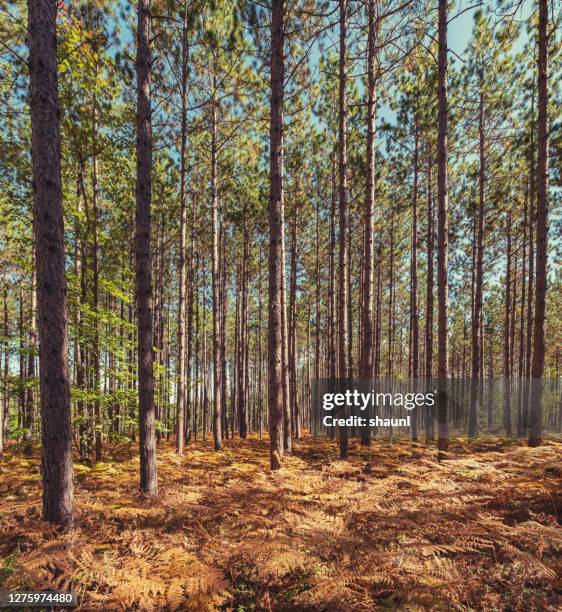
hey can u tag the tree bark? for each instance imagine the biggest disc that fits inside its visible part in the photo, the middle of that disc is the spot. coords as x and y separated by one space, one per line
196 310
390 356
443 230
204 361
22 413
274 340
147 416
317 300
97 420
235 356
181 365
477 340
378 319
5 406
537 369
223 315
243 336
343 346
531 278
429 418
191 299
295 417
56 435
217 419
414 272
287 429
30 395
332 356
260 350
507 337
521 365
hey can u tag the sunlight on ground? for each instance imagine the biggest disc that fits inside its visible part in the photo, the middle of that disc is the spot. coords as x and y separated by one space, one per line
391 527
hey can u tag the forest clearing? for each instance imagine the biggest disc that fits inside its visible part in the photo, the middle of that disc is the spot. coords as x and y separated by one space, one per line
390 529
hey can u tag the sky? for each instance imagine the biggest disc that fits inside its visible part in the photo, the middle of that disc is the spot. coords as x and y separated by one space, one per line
461 27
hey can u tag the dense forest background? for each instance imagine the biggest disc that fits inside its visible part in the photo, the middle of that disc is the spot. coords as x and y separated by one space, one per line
205 207
210 183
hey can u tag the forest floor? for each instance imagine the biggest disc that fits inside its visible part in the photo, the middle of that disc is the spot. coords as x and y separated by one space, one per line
390 529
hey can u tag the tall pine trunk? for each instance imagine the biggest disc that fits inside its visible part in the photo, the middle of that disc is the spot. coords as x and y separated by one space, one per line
332 356
287 429
295 417
56 434
343 340
181 365
414 274
97 420
223 315
260 350
477 362
5 405
243 339
366 363
191 301
429 415
537 369
390 356
521 364
507 337
147 416
275 326
30 395
217 420
442 231
317 322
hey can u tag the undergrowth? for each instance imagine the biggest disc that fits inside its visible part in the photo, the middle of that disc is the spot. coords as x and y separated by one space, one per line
390 529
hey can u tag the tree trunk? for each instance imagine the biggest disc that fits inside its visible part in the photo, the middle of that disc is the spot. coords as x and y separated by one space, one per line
287 430
317 301
243 336
97 420
531 280
195 309
349 289
22 413
56 435
224 311
235 356
390 360
260 351
275 328
332 357
415 311
30 396
147 433
217 419
429 418
293 324
80 269
191 299
5 406
477 340
537 370
181 365
513 312
378 318
204 361
343 345
521 366
443 230
507 337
